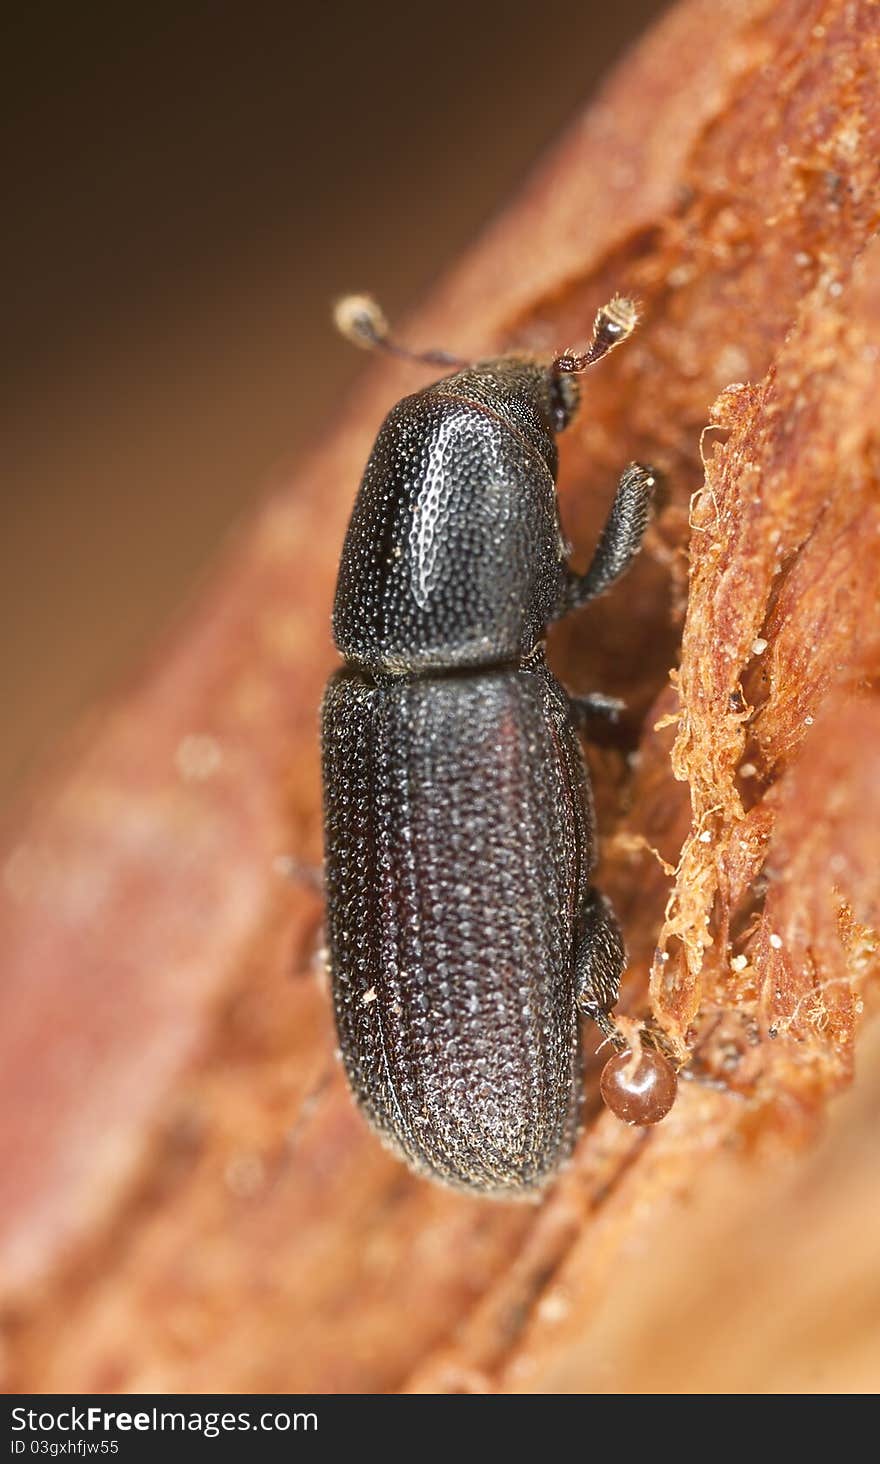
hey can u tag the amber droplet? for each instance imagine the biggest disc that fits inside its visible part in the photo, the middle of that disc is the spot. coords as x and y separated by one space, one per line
639 1087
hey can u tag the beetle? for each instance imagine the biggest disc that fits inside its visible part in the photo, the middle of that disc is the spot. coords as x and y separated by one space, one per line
465 936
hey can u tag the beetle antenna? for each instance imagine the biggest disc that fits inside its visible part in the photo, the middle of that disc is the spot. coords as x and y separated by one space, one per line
613 324
361 320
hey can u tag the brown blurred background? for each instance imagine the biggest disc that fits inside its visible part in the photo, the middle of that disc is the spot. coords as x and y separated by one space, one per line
187 189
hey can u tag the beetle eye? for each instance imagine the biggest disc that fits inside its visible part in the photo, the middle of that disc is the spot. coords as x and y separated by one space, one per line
564 396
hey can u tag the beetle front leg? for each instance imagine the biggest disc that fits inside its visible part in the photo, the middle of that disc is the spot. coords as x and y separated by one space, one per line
599 962
619 543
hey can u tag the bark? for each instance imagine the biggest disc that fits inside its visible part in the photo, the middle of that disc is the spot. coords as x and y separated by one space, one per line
190 1200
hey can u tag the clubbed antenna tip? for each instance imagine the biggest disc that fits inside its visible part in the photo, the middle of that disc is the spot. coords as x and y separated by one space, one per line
614 323
361 320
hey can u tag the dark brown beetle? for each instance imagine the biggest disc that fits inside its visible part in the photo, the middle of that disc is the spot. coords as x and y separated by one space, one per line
465 935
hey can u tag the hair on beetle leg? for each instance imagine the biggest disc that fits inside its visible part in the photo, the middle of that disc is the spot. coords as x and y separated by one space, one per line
611 1034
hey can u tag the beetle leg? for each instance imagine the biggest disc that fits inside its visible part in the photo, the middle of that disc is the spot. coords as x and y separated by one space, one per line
599 961
619 541
594 708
